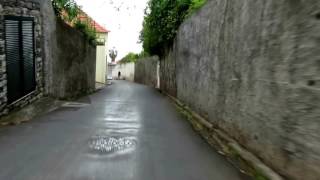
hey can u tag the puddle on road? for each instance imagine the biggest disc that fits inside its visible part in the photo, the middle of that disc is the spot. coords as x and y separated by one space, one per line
107 145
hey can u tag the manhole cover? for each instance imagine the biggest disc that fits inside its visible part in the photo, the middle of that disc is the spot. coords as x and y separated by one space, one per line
104 144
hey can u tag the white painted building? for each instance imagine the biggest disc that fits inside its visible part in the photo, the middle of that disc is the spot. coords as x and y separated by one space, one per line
126 69
102 48
101 59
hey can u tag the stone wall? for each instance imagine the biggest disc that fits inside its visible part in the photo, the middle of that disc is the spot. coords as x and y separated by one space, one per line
27 8
252 69
168 72
74 65
146 71
67 75
65 61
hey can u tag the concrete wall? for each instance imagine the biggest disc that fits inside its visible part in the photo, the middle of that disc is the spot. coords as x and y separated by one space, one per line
146 71
111 67
49 42
69 60
74 66
126 69
252 68
168 72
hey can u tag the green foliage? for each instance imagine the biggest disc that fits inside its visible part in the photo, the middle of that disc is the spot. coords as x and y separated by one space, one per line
66 9
82 26
195 5
143 54
133 57
69 11
87 29
162 20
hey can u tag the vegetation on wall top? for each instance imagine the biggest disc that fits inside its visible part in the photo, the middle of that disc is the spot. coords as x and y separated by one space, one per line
133 57
72 14
162 20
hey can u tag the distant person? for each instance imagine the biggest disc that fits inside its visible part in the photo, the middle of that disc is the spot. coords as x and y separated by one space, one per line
119 75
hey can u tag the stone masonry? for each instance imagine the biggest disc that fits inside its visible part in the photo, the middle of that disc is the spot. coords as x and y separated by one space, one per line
251 68
26 8
146 71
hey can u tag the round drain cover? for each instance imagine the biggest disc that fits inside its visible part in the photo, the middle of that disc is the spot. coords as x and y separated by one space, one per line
105 144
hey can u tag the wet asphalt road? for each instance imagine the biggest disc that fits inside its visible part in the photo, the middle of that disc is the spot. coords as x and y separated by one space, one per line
124 132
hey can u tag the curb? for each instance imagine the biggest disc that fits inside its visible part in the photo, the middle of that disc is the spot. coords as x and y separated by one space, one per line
42 106
228 147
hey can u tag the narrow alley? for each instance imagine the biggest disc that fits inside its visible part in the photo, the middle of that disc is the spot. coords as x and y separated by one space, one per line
125 131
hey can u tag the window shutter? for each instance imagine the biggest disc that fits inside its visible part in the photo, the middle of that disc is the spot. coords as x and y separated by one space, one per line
13 60
19 38
28 56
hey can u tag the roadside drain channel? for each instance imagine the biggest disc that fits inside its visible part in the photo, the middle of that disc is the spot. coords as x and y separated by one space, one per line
74 105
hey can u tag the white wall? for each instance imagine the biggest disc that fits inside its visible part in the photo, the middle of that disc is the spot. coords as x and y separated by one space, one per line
101 62
127 71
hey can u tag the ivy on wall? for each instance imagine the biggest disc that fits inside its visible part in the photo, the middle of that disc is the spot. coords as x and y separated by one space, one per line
162 20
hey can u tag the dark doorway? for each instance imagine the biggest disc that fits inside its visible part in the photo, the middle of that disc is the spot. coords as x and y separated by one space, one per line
19 38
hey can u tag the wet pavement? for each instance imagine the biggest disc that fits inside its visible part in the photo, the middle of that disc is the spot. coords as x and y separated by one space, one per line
124 132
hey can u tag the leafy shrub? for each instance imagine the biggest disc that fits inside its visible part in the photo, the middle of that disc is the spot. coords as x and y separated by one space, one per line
132 57
87 29
80 25
66 9
162 20
69 11
195 5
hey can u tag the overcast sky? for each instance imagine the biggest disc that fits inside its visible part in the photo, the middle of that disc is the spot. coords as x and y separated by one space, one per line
122 17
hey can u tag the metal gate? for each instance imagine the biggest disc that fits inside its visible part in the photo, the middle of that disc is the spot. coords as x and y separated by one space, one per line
19 38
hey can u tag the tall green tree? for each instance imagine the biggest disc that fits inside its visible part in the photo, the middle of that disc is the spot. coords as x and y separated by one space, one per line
162 20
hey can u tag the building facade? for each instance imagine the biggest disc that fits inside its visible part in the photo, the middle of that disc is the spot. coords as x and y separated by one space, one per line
102 48
21 61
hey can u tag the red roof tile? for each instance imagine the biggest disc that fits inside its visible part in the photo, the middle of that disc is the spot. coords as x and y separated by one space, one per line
97 26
